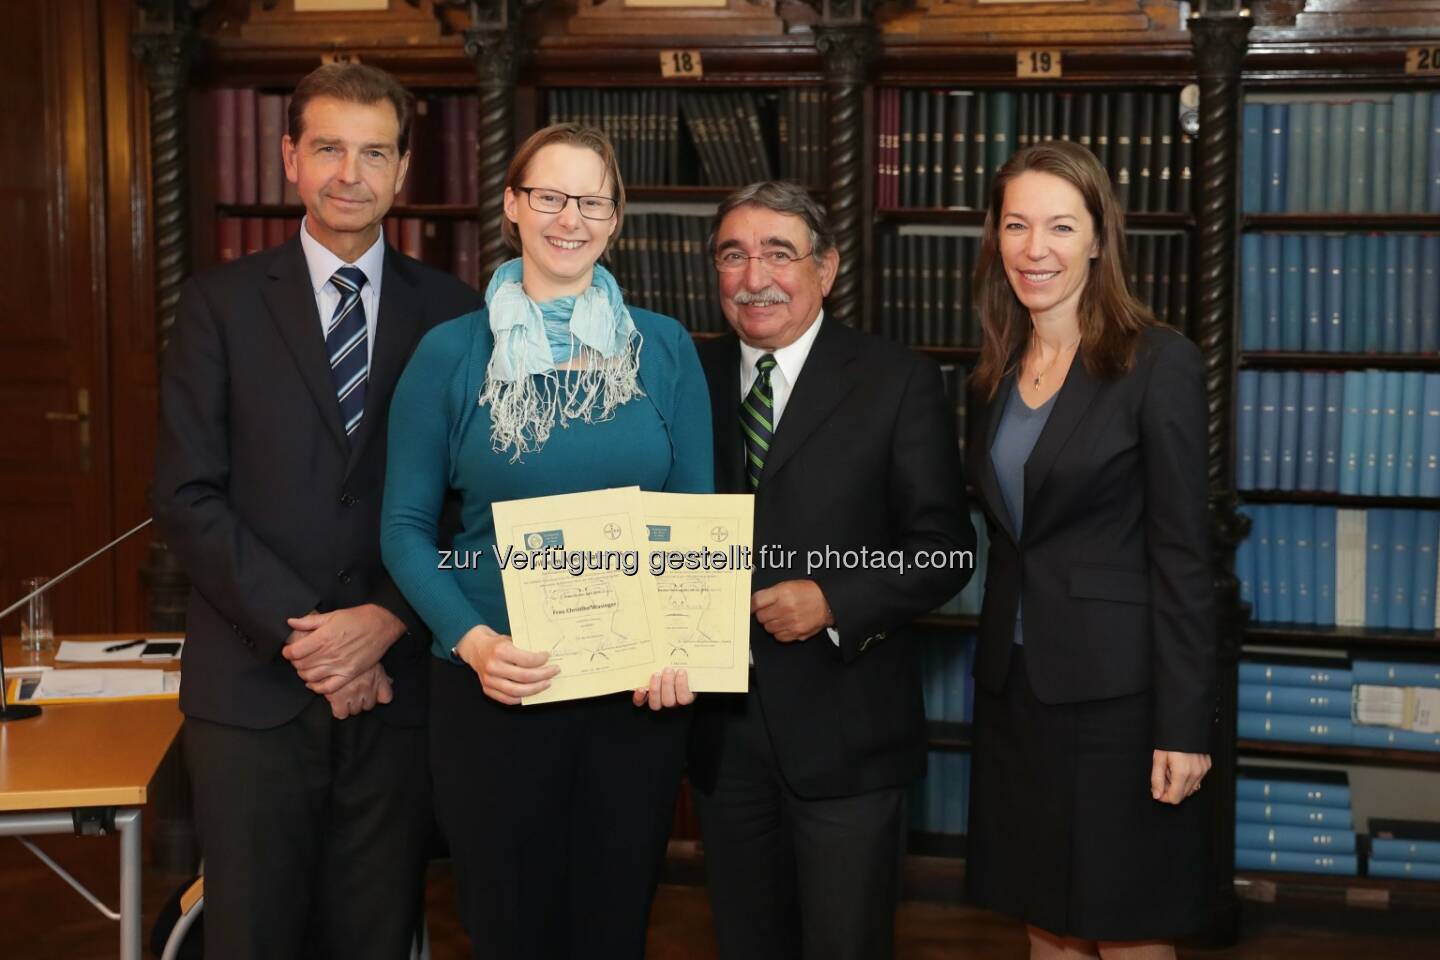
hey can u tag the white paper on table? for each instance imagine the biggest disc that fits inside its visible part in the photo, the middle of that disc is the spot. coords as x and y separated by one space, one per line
93 651
100 684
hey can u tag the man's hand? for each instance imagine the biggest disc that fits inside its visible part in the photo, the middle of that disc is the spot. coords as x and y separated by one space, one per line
792 610
330 649
362 693
1175 776
507 673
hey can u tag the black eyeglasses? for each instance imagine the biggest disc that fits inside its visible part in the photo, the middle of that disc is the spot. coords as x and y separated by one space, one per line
545 200
733 260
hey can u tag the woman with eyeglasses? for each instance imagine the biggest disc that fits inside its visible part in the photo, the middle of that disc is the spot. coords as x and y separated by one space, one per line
557 815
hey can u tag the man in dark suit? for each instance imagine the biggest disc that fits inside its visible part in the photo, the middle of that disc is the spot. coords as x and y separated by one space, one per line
304 668
848 444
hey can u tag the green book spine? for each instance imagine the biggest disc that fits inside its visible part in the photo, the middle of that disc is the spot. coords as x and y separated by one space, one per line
1357 199
1419 148
939 139
1025 119
1337 158
1122 134
1380 159
1315 152
921 150
1144 145
1161 174
959 195
1296 161
980 151
1399 185
1002 129
1100 129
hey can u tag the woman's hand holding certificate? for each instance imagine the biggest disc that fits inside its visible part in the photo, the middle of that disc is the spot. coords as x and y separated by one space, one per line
507 673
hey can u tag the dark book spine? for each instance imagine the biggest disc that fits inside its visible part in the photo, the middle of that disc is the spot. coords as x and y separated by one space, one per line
1122 135
247 161
908 195
959 195
939 138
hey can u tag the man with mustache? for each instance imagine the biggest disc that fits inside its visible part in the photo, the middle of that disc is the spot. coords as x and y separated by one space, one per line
305 669
848 444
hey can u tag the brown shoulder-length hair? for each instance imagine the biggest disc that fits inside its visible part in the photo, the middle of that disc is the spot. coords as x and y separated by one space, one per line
1111 316
576 135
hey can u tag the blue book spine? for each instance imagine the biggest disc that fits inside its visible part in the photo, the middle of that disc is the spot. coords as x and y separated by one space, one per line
1397 673
1390 309
1295 728
935 791
1267 463
1297 162
1337 160
1402 568
1274 152
1313 263
1292 814
1380 158
1352 419
1373 305
1333 306
1289 447
1263 836
1282 533
1316 152
1264 566
1246 426
1377 567
969 679
1345 865
1429 482
935 679
1389 738
1292 292
1252 294
957 791
1432 180
1390 406
1398 185
1353 321
954 702
1428 304
1358 198
1312 426
1419 141
1295 675
1409 293
1271 248
1412 401
1302 546
1427 566
1426 851
1292 791
1325 569
1253 157
1332 419
1307 701
1245 563
1370 435
1403 869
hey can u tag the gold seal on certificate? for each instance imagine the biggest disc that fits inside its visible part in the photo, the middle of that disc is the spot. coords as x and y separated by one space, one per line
618 584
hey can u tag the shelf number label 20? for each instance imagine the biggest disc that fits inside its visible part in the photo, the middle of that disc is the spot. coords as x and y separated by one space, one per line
1037 63
1423 60
681 63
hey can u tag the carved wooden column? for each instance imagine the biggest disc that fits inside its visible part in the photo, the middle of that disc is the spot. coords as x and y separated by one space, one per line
847 43
1219 40
494 41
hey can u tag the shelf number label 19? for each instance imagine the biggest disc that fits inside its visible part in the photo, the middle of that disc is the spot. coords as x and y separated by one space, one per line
681 63
1423 60
1037 63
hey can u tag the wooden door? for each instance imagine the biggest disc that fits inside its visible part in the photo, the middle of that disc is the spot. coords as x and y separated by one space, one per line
54 428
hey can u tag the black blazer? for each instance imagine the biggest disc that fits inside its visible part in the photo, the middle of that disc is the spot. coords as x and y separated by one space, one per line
865 457
1114 558
271 510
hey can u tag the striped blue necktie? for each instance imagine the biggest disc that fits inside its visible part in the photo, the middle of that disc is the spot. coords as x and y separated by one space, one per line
757 420
346 344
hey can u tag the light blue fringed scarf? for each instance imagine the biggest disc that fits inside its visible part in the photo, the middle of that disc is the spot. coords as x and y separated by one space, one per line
523 388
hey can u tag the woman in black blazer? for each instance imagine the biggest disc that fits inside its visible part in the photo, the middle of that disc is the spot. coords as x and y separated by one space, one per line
1095 667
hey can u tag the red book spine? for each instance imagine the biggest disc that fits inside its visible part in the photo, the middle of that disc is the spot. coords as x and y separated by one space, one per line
392 231
247 167
272 173
288 194
254 235
470 147
412 231
274 231
224 120
229 239
452 143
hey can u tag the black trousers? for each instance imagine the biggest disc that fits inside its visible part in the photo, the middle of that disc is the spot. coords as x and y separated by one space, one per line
792 877
313 835
557 817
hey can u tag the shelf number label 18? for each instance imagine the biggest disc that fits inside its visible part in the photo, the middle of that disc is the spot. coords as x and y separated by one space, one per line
1037 63
1423 60
681 63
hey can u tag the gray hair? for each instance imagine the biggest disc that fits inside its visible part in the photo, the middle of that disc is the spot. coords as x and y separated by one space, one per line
782 196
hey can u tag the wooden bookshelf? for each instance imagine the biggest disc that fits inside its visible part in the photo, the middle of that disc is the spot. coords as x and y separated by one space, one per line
1334 222
1337 753
1346 500
1342 638
1323 890
1292 360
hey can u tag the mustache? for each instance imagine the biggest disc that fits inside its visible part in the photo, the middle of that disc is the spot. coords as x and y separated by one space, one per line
771 294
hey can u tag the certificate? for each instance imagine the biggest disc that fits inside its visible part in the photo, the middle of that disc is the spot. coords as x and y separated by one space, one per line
618 584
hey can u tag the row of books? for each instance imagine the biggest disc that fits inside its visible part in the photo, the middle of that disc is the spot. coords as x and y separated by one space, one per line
927 293
1366 153
662 262
1359 432
1325 566
1392 705
447 245
1340 293
947 660
942 148
248 125
956 377
1287 821
941 802
665 136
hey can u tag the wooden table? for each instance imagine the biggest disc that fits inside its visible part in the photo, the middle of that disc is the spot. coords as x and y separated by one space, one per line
86 768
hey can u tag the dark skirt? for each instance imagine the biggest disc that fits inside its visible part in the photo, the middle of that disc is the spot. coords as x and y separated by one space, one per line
1063 832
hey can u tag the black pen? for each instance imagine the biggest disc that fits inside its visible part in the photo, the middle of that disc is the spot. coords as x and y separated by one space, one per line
117 647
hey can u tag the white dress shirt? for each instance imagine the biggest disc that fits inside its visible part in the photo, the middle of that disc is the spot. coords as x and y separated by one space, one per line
323 264
789 361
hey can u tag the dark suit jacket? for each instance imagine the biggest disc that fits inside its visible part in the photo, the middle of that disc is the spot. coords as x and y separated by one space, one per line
865 457
271 510
1114 557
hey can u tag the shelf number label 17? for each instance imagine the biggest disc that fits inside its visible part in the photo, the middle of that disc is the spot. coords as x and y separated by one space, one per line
1037 63
1423 60
681 63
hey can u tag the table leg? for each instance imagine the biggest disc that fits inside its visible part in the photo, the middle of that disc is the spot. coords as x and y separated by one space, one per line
127 821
